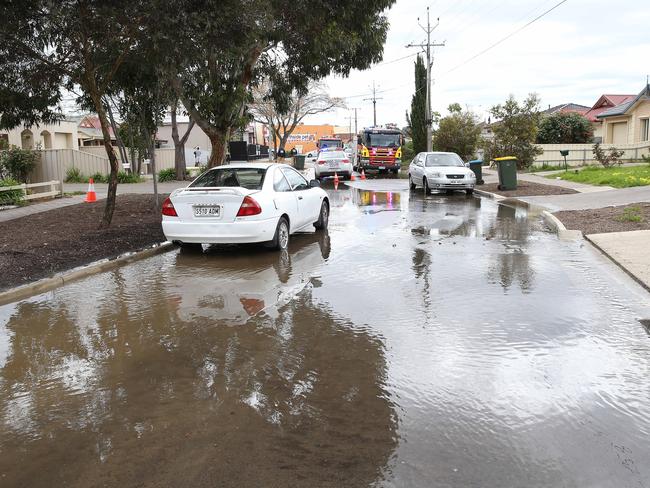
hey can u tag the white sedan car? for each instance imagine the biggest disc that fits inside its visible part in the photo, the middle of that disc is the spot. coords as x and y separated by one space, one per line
333 162
441 171
245 202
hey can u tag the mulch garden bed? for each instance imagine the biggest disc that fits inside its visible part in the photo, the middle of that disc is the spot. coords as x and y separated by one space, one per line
42 244
527 189
608 219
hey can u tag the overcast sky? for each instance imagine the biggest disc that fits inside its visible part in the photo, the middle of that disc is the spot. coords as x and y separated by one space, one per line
577 52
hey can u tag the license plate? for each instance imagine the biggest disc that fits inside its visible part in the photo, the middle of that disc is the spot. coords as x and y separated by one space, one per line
334 165
207 210
382 167
456 182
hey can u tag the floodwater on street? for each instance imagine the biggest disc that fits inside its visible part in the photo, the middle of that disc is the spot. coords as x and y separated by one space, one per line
439 341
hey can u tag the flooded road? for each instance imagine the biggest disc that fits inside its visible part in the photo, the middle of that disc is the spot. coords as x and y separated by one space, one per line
438 341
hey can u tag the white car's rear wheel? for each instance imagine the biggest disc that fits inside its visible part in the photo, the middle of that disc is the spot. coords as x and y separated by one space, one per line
281 239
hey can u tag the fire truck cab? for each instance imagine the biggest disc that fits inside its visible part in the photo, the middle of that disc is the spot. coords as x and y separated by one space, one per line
379 149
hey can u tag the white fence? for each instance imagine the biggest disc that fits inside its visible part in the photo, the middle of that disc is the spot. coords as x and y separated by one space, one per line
582 154
29 192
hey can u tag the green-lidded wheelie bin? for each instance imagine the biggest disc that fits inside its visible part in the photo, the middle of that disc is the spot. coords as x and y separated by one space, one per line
507 169
299 162
477 167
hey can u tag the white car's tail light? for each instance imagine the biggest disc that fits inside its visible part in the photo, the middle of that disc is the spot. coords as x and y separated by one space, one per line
249 207
321 161
345 161
168 208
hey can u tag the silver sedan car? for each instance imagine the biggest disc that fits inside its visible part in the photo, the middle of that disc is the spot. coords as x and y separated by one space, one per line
440 171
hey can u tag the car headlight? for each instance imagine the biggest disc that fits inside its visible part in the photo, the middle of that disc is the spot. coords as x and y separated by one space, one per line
471 176
435 175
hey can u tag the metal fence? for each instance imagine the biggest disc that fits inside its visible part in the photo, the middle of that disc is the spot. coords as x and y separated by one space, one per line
55 163
582 154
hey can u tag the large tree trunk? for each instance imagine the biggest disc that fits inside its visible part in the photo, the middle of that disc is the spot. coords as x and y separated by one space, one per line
120 143
179 145
218 140
112 179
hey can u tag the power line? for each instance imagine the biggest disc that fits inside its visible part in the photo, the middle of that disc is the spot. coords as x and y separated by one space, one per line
502 40
396 60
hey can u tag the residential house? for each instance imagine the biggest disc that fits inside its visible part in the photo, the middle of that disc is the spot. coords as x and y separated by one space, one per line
90 132
60 135
628 122
605 102
567 108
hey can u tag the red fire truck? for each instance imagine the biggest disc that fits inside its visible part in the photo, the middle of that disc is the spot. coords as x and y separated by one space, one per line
379 149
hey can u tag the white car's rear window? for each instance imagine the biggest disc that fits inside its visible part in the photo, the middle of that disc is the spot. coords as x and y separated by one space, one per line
332 155
249 178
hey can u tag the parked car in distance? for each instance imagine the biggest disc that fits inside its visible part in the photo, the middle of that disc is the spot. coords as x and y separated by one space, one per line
329 163
440 171
311 157
245 203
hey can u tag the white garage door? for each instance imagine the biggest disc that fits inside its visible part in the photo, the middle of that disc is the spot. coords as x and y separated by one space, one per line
619 133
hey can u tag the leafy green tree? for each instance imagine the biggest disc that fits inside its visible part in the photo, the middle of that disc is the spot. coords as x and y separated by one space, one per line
417 118
458 132
515 131
80 45
565 128
224 48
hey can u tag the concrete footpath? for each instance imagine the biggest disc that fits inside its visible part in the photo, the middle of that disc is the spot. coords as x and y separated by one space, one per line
629 250
101 190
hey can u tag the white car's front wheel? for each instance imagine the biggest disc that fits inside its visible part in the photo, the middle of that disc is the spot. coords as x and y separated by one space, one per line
323 216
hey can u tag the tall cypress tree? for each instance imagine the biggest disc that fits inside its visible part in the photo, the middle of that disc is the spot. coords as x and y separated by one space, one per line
417 118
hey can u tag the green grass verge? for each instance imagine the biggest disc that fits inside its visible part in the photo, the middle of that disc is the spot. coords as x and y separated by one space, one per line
617 177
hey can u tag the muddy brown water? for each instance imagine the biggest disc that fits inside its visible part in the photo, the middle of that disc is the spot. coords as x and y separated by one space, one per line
439 341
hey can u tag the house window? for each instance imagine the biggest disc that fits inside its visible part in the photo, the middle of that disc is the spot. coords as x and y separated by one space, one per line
645 129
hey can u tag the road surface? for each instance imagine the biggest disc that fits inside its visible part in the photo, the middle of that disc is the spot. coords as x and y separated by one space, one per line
439 341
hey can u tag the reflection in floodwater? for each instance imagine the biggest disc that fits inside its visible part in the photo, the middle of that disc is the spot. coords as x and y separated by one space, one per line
451 343
145 390
513 227
388 200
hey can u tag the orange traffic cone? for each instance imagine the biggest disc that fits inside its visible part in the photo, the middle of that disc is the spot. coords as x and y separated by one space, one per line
363 174
336 178
352 177
91 196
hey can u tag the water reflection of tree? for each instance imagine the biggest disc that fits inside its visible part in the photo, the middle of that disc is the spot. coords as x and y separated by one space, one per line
422 270
298 400
513 263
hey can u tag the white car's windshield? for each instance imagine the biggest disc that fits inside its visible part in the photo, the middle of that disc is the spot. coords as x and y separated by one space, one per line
249 178
443 160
